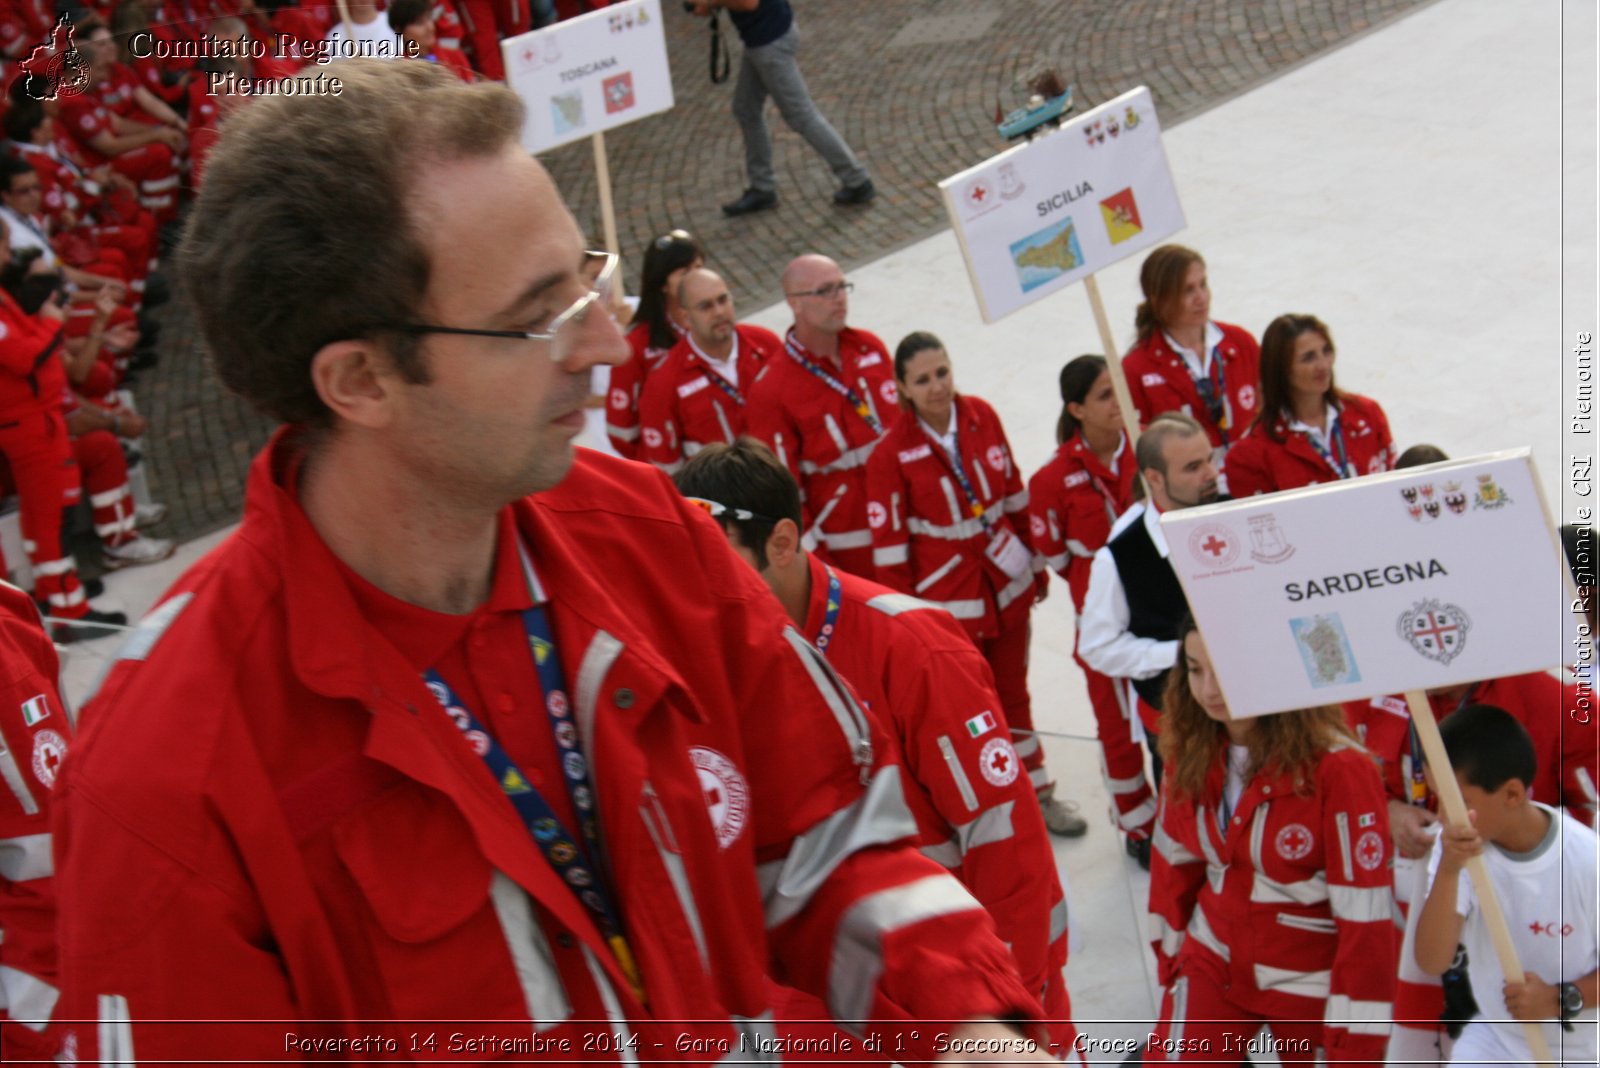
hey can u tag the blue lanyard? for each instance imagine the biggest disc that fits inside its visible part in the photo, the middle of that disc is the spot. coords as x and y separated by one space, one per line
574 863
717 380
1341 465
1213 390
830 613
954 453
863 409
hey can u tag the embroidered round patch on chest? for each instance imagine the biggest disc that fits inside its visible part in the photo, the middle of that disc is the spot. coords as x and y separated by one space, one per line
619 399
999 763
49 750
889 391
726 792
1369 850
996 457
1294 841
1247 396
877 515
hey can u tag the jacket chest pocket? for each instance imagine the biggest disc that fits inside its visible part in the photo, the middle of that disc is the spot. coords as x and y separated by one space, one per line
422 904
1085 520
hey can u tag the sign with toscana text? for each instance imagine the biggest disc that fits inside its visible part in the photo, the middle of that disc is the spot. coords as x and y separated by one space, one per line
1409 580
590 74
1041 216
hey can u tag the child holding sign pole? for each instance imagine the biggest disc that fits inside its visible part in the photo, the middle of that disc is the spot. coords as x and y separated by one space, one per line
1542 867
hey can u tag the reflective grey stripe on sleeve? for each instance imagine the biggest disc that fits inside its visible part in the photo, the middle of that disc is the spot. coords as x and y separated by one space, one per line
945 854
878 817
1135 818
12 773
623 433
597 660
992 825
1319 924
142 640
972 608
892 604
939 572
957 513
1288 981
857 948
1022 584
849 460
1362 904
839 441
722 420
969 797
1310 891
1342 822
1172 851
758 1041
1200 931
960 530
655 821
890 555
1058 920
1170 937
1359 1017
1016 502
1078 548
1056 562
852 721
983 480
608 997
847 539
1258 835
27 999
1180 1013
1026 743
25 857
115 1031
542 992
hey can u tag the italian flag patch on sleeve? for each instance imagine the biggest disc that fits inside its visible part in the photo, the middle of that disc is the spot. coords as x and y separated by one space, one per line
38 708
980 724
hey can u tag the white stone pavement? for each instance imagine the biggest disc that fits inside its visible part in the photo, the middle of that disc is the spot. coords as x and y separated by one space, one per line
1428 190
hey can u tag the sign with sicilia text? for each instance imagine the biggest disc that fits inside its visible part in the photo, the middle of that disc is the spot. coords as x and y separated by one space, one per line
1043 215
1409 580
590 74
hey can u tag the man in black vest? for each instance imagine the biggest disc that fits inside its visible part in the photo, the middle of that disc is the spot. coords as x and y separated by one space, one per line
1131 614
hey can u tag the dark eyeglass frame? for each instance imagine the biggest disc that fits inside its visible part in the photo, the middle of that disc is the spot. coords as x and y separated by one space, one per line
828 291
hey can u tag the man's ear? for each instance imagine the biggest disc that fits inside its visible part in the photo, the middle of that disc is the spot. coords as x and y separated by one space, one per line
783 544
1514 792
355 380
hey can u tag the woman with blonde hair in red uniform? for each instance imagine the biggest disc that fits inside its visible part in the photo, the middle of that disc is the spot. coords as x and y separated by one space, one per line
1309 430
1072 502
657 325
1269 884
947 510
1182 361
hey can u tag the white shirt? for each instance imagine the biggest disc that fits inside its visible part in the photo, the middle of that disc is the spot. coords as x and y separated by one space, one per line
948 438
1104 641
728 369
26 234
1199 363
374 39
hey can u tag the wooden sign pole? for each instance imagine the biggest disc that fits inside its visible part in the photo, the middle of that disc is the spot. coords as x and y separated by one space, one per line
1119 382
1455 812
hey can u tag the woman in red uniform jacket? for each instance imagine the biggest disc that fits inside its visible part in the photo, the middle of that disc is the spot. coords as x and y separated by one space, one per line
1309 430
1269 887
1072 502
1181 361
657 325
946 507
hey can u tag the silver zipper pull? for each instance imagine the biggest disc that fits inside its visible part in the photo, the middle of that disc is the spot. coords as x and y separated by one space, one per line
864 760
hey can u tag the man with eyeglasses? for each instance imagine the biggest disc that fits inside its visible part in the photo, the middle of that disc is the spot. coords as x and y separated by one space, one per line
823 406
697 396
459 725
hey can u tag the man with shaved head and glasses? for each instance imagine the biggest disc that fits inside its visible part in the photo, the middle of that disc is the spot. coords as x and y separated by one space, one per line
822 406
461 724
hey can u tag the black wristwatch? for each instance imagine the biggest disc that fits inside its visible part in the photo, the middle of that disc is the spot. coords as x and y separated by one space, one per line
1571 1000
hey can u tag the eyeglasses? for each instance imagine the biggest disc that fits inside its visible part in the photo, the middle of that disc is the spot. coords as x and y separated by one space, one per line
716 510
673 237
598 273
827 292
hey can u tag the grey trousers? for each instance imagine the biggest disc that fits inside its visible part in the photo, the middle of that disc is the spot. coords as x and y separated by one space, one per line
771 70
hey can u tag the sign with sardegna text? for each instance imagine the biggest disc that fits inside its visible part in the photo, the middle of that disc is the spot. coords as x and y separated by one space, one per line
1408 580
590 74
1041 216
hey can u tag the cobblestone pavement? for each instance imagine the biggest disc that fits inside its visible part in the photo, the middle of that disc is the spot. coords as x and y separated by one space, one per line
911 84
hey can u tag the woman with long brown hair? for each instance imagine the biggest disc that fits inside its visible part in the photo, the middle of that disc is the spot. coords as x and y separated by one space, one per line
1182 361
657 325
1309 430
1269 887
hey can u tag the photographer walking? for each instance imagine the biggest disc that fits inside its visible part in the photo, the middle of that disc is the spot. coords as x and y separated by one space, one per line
771 42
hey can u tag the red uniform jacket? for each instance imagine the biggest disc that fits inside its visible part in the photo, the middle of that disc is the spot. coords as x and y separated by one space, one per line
1294 898
32 376
1258 464
919 674
315 842
1159 381
627 389
34 735
1566 748
926 540
1072 502
685 409
823 440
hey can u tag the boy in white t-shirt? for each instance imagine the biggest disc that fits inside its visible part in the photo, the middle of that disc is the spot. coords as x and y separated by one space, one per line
1542 865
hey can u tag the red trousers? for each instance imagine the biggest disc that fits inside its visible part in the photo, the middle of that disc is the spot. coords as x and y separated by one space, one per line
1007 653
1200 1025
105 476
1124 757
154 169
47 480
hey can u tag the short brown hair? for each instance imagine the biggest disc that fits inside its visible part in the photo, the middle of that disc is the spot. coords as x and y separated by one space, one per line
1150 451
304 233
1161 279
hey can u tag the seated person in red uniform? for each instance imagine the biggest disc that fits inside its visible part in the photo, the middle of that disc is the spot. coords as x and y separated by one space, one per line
697 396
658 324
1308 429
917 672
413 20
1182 361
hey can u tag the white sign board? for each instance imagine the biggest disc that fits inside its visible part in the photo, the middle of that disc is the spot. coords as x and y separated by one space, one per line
590 74
1408 580
1043 215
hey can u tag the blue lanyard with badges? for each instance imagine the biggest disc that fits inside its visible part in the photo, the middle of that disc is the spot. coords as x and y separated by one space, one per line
830 613
711 372
573 862
1341 464
954 453
1213 390
863 409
